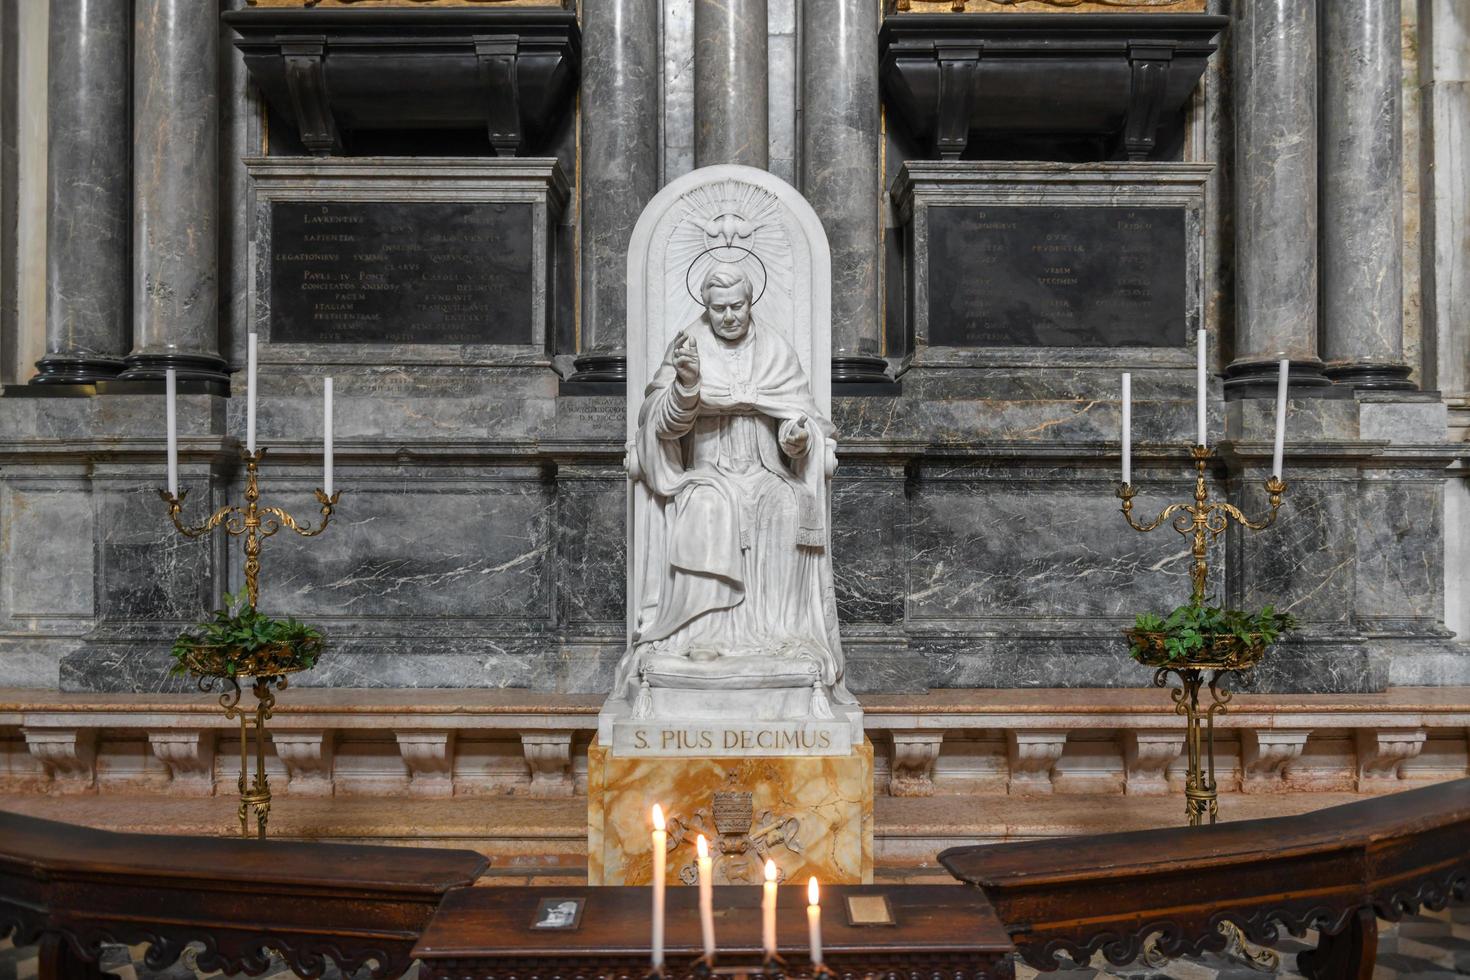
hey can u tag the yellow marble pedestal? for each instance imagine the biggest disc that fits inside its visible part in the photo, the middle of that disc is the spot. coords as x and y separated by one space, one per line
812 815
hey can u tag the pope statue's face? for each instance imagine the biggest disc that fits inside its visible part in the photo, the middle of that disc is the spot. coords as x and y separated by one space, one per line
728 310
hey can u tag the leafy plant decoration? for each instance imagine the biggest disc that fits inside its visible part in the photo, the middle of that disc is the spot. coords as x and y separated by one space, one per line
239 636
1194 629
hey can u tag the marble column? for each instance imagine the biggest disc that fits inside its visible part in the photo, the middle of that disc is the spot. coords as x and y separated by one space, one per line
88 148
1444 179
730 83
619 167
1275 73
176 191
1362 179
840 175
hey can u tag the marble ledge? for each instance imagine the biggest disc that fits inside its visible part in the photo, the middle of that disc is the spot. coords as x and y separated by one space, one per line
307 708
605 455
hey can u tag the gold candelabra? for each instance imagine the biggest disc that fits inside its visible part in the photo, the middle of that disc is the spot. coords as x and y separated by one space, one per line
254 523
1205 520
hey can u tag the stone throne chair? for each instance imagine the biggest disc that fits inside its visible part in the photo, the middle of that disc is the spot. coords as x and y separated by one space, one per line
727 216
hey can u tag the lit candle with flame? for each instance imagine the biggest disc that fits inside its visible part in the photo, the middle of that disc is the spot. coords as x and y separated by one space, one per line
660 855
814 921
706 898
768 911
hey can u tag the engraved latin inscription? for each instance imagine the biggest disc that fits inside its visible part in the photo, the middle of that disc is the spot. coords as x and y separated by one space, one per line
718 739
710 741
396 272
1056 276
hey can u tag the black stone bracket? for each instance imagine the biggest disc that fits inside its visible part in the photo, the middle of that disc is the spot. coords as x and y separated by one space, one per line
957 67
955 79
497 62
306 79
510 72
1150 64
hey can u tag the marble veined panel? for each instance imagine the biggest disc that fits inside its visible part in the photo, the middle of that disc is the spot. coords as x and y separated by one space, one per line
1011 550
46 552
420 546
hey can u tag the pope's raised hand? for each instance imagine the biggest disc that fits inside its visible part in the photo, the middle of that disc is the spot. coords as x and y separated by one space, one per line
797 437
686 360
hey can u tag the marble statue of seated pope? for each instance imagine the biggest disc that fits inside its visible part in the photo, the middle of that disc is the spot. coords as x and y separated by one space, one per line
738 590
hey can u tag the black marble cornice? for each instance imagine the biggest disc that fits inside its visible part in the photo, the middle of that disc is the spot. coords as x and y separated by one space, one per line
1366 454
1316 454
510 72
1048 86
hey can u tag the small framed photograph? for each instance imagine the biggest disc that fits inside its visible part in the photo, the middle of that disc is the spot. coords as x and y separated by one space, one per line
558 913
869 910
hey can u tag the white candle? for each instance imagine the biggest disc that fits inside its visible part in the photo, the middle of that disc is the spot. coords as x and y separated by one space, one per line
814 920
768 911
706 898
1276 453
327 438
171 390
1127 428
1203 384
660 855
250 395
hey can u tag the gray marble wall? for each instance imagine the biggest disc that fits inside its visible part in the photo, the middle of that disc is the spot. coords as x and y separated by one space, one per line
479 539
977 539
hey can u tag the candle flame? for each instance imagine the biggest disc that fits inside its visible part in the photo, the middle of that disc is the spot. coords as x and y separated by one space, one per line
811 890
770 870
702 846
658 817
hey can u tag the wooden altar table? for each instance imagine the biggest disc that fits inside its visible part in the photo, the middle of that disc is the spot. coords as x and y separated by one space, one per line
936 930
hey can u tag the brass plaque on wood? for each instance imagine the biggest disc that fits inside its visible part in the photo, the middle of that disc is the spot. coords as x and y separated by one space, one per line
869 910
559 913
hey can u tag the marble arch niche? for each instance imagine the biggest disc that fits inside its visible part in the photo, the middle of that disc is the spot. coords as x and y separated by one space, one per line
726 217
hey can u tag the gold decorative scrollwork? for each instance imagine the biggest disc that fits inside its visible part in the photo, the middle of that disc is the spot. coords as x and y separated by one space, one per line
1205 519
252 521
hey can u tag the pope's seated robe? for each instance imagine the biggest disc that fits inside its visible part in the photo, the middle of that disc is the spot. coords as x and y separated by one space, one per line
739 593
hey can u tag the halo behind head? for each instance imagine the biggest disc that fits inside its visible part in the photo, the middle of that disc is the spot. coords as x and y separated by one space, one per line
725 262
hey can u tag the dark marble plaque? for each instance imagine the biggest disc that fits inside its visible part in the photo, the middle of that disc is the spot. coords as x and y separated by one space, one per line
399 272
1008 276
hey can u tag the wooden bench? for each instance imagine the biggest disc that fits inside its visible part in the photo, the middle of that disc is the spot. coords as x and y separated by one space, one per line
73 890
1332 869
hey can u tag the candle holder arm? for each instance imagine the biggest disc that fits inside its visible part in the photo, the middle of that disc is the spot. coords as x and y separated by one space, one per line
301 527
1275 490
1126 494
176 506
